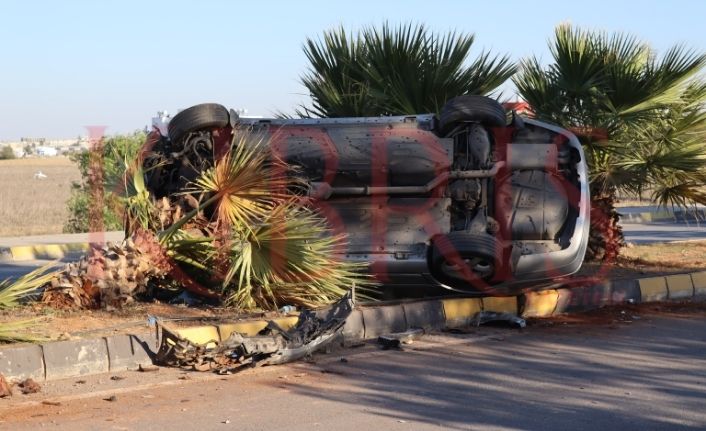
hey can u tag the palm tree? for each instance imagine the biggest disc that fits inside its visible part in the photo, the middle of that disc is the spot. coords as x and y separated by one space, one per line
250 241
395 71
641 119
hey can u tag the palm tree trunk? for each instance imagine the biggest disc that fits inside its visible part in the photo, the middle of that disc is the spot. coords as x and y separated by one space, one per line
109 276
606 235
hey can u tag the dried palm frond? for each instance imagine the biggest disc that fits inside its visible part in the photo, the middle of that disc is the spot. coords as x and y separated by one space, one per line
109 276
17 332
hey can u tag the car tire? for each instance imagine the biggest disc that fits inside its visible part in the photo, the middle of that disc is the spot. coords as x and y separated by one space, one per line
479 251
467 108
198 117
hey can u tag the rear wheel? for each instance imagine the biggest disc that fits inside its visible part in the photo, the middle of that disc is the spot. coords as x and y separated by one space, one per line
198 117
461 258
470 108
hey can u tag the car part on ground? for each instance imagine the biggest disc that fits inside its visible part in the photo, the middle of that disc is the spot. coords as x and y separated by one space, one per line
314 330
397 339
484 317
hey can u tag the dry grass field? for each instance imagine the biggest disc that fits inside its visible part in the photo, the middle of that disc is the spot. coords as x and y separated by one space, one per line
31 206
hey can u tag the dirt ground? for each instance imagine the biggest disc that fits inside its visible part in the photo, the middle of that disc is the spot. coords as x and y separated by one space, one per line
67 324
624 314
648 260
634 262
33 206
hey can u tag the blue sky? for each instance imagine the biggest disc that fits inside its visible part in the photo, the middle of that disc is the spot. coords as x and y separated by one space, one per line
69 64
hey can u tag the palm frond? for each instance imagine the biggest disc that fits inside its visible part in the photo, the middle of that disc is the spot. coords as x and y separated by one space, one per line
13 292
244 185
290 258
18 331
399 70
650 108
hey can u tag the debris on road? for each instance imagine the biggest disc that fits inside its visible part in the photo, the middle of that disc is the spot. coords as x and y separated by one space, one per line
29 386
5 389
395 340
314 330
491 316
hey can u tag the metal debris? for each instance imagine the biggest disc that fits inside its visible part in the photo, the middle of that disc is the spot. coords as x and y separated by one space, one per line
492 316
314 330
395 340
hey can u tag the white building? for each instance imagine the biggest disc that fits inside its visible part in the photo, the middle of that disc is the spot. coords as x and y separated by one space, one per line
47 151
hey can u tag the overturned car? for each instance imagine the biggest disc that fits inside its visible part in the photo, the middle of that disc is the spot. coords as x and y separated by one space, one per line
475 199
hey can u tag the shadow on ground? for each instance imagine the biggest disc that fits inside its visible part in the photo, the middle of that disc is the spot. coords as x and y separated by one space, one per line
646 376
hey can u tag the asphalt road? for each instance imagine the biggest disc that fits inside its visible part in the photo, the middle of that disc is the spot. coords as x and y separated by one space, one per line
10 269
648 233
649 374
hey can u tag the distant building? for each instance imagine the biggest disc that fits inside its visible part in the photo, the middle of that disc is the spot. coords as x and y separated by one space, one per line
46 151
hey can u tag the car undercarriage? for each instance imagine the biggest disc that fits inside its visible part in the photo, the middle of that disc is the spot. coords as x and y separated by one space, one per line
472 200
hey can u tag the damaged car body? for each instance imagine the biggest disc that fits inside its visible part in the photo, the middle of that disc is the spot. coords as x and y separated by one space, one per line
314 330
473 200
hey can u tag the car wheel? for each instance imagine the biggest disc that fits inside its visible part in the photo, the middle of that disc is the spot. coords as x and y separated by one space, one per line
467 108
198 117
478 255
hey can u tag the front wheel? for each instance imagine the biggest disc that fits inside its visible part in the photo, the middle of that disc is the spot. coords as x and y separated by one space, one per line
470 108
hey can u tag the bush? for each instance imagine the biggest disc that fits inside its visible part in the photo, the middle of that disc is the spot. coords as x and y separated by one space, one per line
111 160
7 153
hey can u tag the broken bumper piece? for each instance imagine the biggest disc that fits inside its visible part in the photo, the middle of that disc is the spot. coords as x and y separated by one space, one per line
314 330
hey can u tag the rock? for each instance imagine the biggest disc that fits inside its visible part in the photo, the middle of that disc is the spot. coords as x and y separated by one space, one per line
29 386
5 390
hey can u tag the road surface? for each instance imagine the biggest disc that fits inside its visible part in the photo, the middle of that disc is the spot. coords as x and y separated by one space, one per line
645 374
649 233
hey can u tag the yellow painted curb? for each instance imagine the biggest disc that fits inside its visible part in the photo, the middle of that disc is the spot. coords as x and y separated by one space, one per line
699 279
460 311
653 289
500 304
540 304
200 334
662 215
680 286
646 216
45 251
253 327
23 252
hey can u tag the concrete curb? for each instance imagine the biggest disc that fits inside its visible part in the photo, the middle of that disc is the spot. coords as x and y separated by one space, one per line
42 251
65 359
664 215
